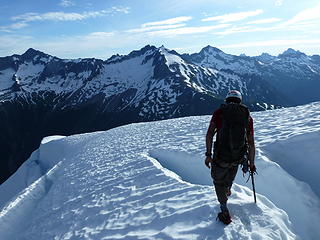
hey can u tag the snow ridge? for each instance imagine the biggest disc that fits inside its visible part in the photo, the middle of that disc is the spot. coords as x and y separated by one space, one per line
143 181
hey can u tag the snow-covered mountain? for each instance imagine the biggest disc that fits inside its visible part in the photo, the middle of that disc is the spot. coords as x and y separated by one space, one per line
149 80
152 78
149 181
295 75
43 95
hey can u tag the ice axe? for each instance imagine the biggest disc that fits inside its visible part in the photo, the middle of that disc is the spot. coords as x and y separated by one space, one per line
253 187
245 169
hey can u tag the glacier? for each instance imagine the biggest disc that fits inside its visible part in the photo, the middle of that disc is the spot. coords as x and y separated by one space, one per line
149 181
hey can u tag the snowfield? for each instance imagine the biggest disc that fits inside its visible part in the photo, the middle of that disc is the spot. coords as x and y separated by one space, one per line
149 181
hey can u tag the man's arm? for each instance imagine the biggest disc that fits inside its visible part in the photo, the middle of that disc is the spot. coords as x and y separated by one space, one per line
252 150
251 145
209 138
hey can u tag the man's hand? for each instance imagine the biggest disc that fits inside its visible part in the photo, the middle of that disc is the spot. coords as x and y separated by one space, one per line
252 167
208 162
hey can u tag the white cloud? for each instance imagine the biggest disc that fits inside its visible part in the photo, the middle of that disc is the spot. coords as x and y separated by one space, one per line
282 42
18 25
278 3
152 28
63 16
66 3
167 21
308 27
57 16
266 20
243 29
26 18
171 23
186 30
233 17
13 26
124 10
100 35
305 15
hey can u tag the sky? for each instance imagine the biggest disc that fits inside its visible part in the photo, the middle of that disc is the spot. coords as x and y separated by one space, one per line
102 28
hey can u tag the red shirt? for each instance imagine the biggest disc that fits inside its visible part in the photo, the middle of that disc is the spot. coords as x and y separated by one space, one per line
216 119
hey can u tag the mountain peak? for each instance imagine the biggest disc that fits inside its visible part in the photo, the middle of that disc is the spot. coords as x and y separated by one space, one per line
32 53
265 55
147 48
209 49
266 58
142 51
290 52
114 58
164 50
135 53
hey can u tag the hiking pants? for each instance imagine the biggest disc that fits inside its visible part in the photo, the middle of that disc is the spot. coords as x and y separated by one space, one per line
222 180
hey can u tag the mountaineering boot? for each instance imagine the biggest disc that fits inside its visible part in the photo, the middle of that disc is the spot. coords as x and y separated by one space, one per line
224 217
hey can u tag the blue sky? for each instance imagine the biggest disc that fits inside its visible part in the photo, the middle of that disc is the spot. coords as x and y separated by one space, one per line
101 28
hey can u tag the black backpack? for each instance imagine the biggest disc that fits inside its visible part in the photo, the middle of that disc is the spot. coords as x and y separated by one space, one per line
231 143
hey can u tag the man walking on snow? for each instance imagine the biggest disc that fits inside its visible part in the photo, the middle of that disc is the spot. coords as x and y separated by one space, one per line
235 137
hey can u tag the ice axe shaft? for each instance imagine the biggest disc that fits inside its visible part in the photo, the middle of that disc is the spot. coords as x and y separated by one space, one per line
253 187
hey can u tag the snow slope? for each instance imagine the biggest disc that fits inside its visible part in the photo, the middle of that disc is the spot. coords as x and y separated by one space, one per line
148 181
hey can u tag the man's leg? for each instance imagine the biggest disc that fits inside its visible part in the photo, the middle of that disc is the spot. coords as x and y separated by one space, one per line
220 176
231 176
223 179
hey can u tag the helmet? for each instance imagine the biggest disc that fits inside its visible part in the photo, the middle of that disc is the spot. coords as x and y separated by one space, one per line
234 94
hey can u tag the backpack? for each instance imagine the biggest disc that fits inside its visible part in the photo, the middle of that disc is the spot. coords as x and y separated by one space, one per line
231 143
